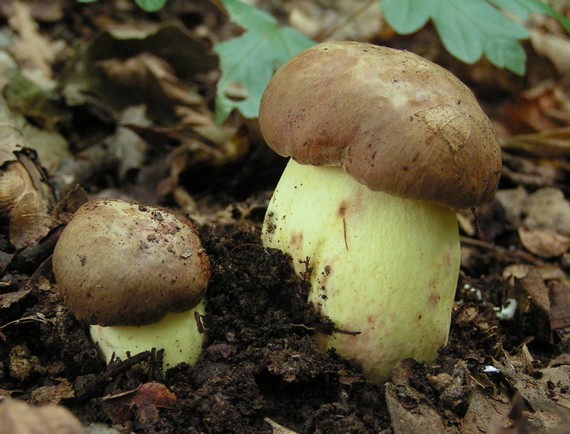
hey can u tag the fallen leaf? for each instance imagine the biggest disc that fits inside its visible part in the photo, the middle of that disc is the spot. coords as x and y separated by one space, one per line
140 404
40 107
168 57
559 292
28 200
533 306
513 201
543 242
555 47
323 21
52 394
485 412
410 412
547 272
552 143
153 393
18 417
9 298
530 172
277 428
530 112
547 208
33 51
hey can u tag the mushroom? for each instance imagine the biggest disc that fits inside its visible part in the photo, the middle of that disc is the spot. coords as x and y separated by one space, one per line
137 274
384 146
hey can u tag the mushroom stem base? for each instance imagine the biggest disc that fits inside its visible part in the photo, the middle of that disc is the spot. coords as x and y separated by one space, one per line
177 333
383 268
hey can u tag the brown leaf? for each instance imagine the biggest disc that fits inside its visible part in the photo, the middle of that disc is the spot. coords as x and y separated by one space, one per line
11 140
533 306
533 289
547 272
530 112
560 308
555 47
328 20
8 299
33 51
485 412
153 393
543 242
551 143
32 214
410 412
19 417
277 428
140 404
52 394
547 208
26 197
162 60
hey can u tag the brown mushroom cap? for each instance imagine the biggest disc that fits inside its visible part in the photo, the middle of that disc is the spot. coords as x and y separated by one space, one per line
393 120
120 263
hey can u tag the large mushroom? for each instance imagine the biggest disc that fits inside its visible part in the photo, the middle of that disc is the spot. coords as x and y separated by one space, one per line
384 147
137 274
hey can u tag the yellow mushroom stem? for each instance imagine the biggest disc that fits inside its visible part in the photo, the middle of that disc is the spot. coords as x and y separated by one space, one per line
382 267
179 334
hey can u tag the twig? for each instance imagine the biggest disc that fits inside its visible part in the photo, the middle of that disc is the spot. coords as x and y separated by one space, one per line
502 250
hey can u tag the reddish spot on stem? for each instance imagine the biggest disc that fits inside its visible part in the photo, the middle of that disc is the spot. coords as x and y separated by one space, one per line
296 239
433 299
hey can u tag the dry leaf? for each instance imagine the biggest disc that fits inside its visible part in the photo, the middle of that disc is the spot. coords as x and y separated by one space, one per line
553 143
19 417
410 412
531 110
547 272
560 308
533 306
27 200
547 208
533 292
140 404
26 197
543 242
152 393
33 51
8 299
52 394
512 200
357 20
485 412
159 67
278 429
555 47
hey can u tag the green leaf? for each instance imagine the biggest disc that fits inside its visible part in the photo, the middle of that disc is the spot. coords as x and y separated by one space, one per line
150 5
470 29
506 53
247 16
522 9
407 16
250 60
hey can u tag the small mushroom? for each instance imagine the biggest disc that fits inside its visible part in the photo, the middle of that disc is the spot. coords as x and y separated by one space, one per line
384 146
137 274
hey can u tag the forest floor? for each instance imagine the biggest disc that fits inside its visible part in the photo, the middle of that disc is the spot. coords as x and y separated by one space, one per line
113 102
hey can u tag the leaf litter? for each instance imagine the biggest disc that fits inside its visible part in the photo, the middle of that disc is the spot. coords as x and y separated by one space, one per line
505 369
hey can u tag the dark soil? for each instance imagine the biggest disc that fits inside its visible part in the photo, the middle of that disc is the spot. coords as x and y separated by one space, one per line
260 370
